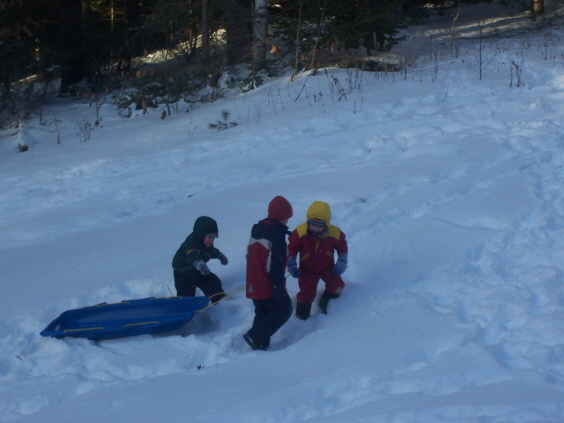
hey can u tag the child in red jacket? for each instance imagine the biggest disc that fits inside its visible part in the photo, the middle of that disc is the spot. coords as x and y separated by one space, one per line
316 240
266 266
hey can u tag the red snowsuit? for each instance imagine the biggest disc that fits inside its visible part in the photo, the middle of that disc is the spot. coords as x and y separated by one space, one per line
317 254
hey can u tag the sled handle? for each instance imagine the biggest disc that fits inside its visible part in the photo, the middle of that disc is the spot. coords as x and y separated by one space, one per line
233 292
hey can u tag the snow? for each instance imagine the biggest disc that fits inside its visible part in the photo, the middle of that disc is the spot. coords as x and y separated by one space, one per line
448 187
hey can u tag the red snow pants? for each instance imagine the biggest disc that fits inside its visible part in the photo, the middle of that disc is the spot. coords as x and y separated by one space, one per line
308 284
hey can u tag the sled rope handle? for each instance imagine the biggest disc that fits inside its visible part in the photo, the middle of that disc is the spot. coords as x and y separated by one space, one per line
239 289
232 292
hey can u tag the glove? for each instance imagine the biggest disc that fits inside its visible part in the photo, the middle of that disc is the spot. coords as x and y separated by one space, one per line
223 259
341 265
293 267
202 267
278 294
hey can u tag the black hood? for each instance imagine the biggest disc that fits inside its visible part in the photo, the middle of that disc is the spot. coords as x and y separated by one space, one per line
203 226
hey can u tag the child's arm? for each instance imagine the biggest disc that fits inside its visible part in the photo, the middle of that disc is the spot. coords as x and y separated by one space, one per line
342 246
186 260
294 244
277 259
342 249
222 259
216 254
293 250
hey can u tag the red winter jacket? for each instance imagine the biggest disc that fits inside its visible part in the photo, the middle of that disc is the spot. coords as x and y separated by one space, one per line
266 259
317 252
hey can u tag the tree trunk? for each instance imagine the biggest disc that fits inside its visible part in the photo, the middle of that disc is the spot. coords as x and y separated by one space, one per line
260 33
205 33
72 52
239 30
538 7
134 16
297 59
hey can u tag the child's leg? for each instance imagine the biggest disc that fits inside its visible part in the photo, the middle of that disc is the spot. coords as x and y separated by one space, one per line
269 317
185 287
308 287
333 284
308 291
255 336
333 287
211 285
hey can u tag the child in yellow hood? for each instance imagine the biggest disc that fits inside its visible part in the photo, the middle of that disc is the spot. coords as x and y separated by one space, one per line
316 241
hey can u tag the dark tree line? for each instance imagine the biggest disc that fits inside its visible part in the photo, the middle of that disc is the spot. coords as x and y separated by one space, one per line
87 40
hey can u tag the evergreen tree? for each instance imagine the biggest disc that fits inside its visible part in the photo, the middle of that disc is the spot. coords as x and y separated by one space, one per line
239 30
72 52
26 53
373 23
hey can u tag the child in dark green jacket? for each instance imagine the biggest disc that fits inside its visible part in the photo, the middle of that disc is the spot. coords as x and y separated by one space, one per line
189 262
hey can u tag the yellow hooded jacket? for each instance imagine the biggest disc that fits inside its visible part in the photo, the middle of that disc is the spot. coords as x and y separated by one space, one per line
317 252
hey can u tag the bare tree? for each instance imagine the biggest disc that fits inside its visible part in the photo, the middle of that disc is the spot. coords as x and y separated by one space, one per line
297 60
483 51
319 27
260 32
205 33
538 8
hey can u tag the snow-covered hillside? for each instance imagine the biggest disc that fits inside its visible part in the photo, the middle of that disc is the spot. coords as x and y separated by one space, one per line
449 189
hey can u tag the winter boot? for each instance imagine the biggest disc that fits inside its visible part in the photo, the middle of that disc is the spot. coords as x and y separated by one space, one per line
252 343
303 310
324 301
216 298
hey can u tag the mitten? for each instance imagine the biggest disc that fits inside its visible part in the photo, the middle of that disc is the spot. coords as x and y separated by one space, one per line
278 294
341 265
293 267
223 259
202 267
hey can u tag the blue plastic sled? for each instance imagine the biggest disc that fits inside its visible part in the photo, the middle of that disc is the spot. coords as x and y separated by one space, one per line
128 318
